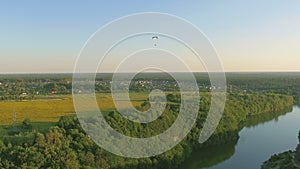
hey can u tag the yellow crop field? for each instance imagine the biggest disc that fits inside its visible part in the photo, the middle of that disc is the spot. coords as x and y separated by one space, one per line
35 110
50 110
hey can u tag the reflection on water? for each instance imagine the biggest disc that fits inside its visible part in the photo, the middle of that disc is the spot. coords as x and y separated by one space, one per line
261 136
210 156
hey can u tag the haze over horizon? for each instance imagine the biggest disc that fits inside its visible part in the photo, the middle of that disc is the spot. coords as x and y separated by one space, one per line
249 36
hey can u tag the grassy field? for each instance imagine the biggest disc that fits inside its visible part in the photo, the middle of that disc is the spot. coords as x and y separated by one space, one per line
51 109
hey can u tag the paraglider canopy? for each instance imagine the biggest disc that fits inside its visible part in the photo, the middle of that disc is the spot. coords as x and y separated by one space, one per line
155 37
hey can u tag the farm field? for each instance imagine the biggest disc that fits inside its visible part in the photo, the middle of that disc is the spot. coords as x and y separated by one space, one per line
49 109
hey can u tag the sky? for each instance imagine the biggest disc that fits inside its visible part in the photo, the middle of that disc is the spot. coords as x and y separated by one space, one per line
248 35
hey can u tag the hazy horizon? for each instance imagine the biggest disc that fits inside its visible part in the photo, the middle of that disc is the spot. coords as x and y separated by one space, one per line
247 72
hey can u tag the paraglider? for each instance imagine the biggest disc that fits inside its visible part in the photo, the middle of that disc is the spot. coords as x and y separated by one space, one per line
155 37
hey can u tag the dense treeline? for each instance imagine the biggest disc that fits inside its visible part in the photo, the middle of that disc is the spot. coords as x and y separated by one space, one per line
67 146
277 82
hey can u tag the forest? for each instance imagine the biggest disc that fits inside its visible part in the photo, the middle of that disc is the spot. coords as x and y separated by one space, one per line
65 144
39 128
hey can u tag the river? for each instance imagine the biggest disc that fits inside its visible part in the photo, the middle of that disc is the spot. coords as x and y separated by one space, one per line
259 139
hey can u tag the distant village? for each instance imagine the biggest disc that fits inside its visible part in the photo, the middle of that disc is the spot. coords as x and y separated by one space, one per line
31 88
27 88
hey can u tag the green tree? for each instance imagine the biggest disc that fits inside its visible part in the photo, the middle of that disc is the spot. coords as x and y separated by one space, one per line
27 124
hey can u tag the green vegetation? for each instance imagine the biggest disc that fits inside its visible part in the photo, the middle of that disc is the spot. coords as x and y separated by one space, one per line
65 145
39 128
210 156
280 161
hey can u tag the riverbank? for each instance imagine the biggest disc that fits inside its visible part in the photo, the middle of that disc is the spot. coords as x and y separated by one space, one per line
289 159
69 138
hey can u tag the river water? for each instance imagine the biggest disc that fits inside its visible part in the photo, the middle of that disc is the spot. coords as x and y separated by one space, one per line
258 141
